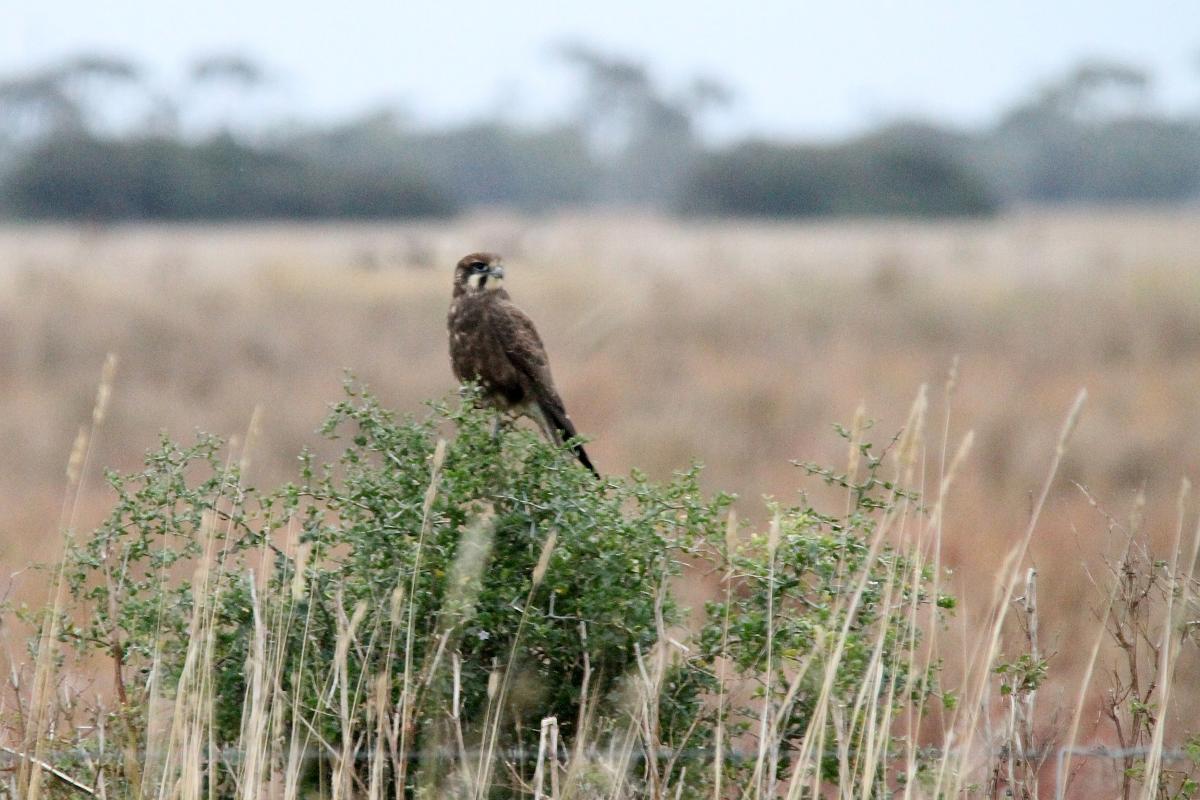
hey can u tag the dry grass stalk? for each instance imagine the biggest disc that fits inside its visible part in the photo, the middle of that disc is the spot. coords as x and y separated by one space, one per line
30 771
1004 589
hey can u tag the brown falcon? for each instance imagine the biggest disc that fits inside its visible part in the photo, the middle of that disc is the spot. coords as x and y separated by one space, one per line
493 343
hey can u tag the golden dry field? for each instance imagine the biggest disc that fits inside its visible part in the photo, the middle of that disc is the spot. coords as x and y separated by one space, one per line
737 344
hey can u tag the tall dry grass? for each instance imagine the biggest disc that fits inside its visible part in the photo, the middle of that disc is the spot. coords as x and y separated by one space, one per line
989 743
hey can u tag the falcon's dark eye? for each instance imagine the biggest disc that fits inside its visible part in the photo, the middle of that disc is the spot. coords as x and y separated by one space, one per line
479 266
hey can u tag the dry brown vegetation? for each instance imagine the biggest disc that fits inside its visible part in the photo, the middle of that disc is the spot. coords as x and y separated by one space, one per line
734 344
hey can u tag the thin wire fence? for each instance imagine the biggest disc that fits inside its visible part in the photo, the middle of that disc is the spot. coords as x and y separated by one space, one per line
9 757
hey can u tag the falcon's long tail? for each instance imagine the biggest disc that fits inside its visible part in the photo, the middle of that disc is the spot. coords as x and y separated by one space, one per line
582 455
557 422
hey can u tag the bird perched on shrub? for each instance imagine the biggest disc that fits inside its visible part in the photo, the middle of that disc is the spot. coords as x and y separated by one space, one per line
493 343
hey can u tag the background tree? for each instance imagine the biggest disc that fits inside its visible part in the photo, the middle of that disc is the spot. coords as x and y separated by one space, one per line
645 138
1091 135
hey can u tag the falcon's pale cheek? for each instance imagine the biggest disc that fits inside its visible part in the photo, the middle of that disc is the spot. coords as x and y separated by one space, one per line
474 281
494 284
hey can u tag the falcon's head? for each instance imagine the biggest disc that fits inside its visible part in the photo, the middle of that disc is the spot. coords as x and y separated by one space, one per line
478 272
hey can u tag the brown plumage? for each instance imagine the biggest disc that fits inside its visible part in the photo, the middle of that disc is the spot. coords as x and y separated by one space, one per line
493 343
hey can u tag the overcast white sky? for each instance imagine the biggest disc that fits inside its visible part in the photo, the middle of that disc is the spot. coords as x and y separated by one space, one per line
799 68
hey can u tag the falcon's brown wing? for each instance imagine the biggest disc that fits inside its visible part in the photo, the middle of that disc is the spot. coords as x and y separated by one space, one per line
523 346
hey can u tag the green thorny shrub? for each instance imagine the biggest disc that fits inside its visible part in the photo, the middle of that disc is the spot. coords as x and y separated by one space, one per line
404 582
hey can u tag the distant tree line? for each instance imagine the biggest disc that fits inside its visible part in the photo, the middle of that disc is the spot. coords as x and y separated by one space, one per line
1089 137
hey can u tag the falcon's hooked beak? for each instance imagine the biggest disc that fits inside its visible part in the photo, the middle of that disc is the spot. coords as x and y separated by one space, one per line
482 277
492 278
